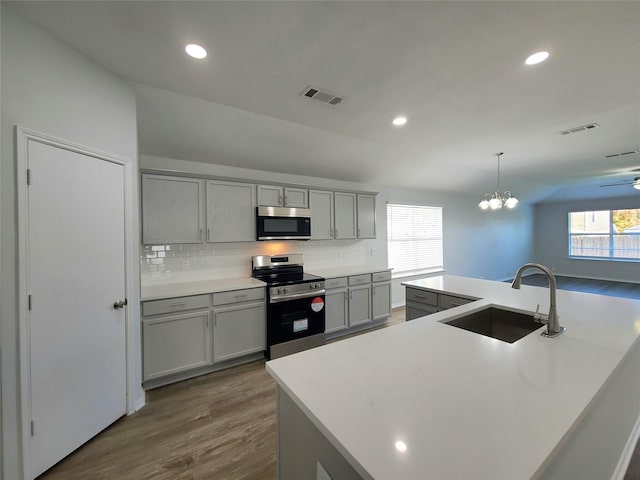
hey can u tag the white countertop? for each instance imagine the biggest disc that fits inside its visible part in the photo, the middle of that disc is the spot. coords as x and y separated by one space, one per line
345 271
467 406
160 290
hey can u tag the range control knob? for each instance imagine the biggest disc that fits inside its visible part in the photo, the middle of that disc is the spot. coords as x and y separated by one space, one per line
285 290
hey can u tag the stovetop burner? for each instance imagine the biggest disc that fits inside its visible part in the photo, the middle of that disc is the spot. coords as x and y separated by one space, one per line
281 270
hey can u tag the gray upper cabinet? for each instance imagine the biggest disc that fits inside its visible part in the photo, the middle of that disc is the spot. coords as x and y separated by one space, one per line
274 196
231 212
172 209
321 205
366 216
345 215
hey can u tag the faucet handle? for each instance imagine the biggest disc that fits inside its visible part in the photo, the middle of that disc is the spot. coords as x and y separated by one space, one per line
540 317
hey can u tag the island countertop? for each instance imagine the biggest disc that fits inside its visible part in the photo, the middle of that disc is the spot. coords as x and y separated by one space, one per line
465 405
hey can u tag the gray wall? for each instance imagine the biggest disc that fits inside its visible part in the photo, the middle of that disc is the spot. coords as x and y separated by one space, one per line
551 240
51 89
480 244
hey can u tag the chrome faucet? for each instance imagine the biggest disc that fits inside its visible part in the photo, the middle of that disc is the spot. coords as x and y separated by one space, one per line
552 320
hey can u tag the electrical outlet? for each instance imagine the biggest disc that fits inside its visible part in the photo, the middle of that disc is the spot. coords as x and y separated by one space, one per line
373 252
185 264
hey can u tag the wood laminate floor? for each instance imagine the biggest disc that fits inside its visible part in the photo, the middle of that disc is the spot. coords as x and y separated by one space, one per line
218 426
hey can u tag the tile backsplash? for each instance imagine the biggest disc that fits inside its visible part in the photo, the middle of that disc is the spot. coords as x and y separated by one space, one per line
186 262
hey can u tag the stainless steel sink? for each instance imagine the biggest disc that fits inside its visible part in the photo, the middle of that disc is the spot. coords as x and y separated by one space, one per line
498 323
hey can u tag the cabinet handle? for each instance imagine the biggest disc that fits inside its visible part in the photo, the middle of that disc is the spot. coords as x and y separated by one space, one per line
243 295
200 235
280 200
335 233
176 305
358 233
208 234
418 296
285 201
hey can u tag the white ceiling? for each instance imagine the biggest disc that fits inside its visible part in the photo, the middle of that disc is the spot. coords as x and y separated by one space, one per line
455 69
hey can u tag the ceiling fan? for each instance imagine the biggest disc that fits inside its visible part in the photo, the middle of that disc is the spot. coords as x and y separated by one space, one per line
635 183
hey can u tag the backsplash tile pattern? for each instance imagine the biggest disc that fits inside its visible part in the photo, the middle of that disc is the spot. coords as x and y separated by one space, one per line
178 263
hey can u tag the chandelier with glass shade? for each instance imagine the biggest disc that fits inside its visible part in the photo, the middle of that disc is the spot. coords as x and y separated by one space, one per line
498 199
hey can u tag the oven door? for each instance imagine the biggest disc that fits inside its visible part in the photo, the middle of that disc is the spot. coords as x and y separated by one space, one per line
296 318
274 223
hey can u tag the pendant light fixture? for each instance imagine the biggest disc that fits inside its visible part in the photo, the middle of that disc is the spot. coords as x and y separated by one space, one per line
497 199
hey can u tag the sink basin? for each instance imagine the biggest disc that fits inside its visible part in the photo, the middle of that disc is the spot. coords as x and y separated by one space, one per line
498 323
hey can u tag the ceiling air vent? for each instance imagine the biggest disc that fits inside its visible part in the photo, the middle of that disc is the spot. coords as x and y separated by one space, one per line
581 128
321 95
621 154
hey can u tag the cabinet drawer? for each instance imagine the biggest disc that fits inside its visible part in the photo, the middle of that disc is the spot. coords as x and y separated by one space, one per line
381 276
449 301
422 296
236 296
335 282
177 304
359 279
417 310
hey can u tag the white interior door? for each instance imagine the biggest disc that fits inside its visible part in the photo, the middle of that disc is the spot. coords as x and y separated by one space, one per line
75 274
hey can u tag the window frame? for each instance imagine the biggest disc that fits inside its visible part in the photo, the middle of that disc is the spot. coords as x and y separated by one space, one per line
419 270
611 234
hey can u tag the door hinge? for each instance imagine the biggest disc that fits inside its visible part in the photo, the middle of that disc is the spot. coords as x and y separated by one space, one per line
33 427
29 301
29 179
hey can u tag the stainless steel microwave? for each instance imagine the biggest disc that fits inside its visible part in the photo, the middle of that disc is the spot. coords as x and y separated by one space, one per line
278 223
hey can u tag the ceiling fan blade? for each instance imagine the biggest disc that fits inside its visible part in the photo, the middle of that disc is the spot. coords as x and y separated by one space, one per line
617 184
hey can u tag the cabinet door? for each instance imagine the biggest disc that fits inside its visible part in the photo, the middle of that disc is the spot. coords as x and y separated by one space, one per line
366 216
345 215
321 205
381 300
270 196
296 197
231 212
336 313
359 305
175 343
172 209
238 330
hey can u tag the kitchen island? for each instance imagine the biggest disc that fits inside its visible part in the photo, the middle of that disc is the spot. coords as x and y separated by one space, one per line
427 400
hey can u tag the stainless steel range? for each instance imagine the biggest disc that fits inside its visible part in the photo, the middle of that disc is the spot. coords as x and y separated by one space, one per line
295 304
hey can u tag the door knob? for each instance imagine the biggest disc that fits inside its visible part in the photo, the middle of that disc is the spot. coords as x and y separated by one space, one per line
120 303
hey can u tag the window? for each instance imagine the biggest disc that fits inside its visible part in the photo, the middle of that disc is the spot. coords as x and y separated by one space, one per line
414 236
613 234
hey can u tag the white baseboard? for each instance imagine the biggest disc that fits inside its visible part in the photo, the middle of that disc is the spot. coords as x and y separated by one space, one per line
140 402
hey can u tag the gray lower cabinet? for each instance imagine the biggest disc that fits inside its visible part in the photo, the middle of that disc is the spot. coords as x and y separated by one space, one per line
355 302
423 302
359 305
238 330
187 336
336 302
175 342
381 300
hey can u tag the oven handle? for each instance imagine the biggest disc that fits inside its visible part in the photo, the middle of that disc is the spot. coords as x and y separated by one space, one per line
295 296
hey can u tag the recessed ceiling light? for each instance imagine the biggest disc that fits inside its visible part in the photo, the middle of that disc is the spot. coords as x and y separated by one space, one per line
537 57
196 51
399 121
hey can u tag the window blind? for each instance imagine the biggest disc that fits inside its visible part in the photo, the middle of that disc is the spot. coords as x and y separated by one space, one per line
414 237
